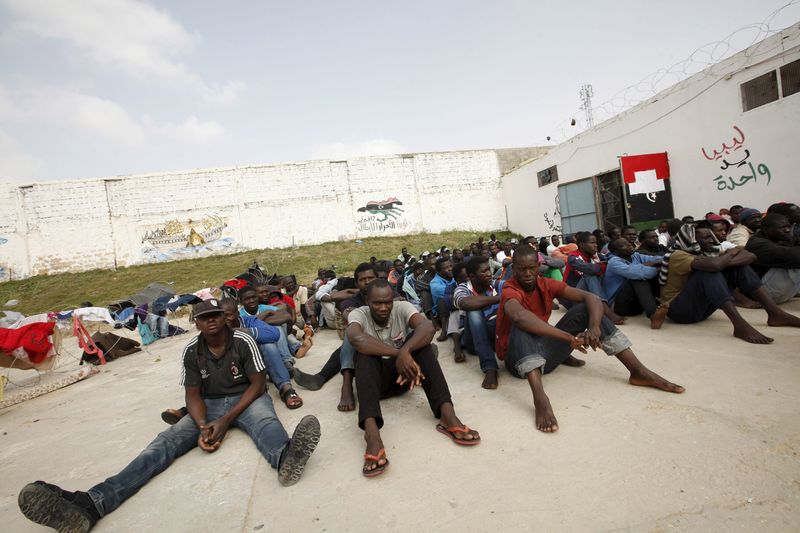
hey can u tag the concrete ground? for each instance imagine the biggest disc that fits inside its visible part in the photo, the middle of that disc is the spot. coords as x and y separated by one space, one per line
720 457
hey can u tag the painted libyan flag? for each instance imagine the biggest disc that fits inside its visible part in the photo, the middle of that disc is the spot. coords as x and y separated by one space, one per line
646 179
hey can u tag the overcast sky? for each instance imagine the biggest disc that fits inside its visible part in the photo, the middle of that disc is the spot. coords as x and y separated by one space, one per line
93 88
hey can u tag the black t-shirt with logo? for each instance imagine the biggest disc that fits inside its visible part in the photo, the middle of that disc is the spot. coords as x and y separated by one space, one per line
226 376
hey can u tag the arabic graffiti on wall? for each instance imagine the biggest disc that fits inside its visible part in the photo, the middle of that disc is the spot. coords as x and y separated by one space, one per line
551 222
736 156
381 216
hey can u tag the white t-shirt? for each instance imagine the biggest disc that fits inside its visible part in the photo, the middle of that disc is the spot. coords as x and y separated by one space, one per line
502 255
395 331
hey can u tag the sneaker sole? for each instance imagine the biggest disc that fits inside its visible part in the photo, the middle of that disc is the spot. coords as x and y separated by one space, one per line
170 418
304 441
44 507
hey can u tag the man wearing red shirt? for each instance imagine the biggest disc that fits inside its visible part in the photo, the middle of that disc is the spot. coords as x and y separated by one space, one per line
532 347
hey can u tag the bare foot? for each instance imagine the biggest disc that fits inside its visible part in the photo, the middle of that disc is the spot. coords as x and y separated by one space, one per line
573 361
545 418
648 378
748 333
442 335
347 402
490 380
782 319
657 319
303 349
458 354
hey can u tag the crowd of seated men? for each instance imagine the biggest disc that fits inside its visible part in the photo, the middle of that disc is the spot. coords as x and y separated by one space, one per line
491 299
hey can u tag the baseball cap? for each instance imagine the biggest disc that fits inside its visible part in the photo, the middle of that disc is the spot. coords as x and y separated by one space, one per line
717 218
206 307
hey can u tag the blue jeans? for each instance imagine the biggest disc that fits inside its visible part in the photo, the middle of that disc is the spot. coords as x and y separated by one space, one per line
527 352
283 345
258 420
347 355
479 334
274 363
593 284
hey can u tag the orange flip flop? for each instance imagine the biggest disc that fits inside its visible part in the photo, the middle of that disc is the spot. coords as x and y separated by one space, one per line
380 468
451 432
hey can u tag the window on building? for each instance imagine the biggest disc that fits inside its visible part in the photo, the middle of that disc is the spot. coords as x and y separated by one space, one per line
760 91
790 78
548 175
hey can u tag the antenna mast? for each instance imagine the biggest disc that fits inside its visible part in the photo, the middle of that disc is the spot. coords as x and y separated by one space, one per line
586 103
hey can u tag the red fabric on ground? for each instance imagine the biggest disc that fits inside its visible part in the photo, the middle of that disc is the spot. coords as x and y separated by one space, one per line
32 338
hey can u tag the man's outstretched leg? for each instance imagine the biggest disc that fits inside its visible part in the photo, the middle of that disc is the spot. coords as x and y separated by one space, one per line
480 333
347 400
287 456
315 381
441 404
375 461
373 377
51 506
614 342
643 376
543 411
529 356
705 292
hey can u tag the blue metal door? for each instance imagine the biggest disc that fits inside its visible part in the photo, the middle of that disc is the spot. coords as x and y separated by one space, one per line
578 209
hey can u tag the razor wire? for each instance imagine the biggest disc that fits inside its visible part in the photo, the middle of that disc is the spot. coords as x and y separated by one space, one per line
667 80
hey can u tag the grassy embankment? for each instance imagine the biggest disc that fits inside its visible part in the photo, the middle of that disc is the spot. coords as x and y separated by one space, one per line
67 291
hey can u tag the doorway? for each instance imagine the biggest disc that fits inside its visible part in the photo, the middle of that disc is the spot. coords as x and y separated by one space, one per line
611 197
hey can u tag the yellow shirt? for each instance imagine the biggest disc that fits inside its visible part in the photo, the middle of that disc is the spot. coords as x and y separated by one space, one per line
680 268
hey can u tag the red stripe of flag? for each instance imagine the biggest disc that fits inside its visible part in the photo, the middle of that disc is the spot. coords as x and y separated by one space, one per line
637 163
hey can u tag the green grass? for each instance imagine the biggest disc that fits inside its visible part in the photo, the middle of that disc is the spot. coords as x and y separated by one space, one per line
67 291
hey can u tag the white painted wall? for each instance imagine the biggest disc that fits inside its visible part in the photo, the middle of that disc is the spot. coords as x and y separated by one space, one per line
100 223
697 113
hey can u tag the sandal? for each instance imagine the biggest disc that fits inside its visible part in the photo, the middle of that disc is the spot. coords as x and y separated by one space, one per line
291 398
379 469
451 432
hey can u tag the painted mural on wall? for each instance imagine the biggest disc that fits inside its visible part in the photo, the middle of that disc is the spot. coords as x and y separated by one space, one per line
176 238
381 216
735 162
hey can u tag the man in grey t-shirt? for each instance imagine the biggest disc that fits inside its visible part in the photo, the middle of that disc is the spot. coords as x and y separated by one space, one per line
394 355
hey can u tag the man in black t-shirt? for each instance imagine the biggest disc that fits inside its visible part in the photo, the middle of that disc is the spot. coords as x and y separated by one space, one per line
223 374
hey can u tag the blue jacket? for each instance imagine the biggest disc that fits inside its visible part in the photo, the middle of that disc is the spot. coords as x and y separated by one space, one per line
618 270
262 332
438 285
